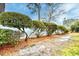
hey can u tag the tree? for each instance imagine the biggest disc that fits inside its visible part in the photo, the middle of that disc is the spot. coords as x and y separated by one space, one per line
38 26
43 26
69 22
62 29
50 10
16 20
75 26
50 27
53 11
35 7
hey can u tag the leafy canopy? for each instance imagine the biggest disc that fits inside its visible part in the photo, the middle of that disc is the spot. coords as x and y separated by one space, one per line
13 19
63 29
38 25
50 27
75 26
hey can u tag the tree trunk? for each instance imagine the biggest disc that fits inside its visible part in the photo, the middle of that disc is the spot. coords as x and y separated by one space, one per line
32 32
38 11
38 33
38 36
25 34
38 18
2 7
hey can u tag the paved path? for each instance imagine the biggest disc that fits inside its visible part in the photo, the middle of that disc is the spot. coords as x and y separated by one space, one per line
46 48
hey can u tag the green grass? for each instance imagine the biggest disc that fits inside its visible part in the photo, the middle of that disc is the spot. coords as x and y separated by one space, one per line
72 50
75 36
73 46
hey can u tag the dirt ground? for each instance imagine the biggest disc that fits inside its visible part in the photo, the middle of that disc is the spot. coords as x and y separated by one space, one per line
8 50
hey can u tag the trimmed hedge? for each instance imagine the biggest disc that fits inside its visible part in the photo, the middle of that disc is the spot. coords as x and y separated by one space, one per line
8 37
63 29
21 21
51 27
14 19
38 27
44 26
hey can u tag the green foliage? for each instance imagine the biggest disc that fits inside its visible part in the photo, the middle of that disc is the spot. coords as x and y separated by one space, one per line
72 28
17 20
68 22
38 26
7 36
50 28
63 29
14 19
34 7
75 26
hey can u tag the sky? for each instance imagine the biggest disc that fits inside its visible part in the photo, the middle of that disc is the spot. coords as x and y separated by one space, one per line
19 7
71 10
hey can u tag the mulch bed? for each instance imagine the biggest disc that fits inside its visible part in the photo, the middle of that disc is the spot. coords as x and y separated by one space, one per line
8 49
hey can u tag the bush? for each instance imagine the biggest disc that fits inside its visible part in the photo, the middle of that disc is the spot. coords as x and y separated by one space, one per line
38 26
7 37
62 29
50 28
72 28
75 27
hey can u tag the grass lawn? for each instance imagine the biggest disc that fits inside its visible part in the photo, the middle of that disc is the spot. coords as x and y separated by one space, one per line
73 46
75 36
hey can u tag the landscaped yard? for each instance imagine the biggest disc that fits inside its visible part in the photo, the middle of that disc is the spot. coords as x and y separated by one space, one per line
37 29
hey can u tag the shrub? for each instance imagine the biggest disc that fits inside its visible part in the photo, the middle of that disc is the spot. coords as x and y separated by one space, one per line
50 28
7 37
75 27
62 29
72 28
38 26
